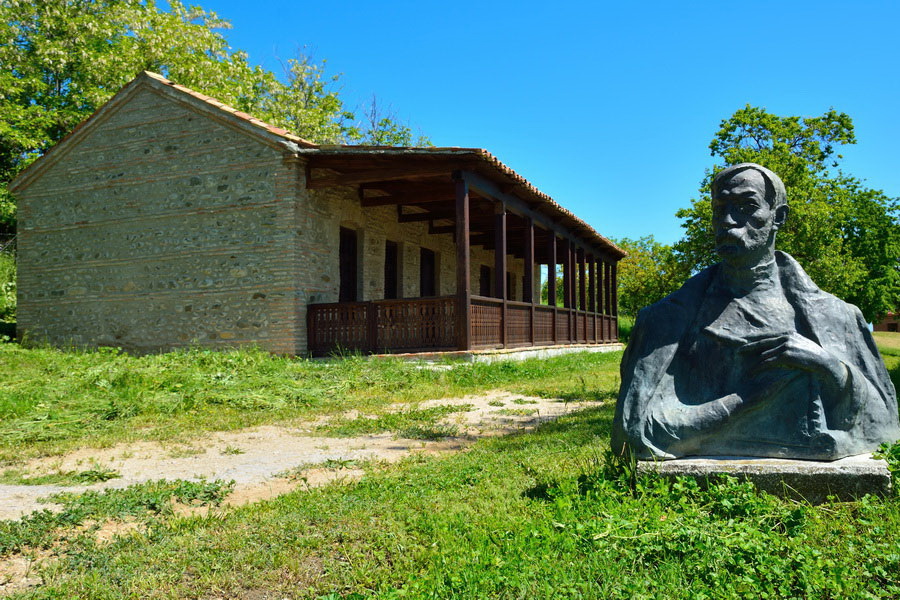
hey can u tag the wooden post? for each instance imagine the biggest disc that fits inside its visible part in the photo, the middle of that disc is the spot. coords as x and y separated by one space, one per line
528 283
582 281
500 267
551 275
372 326
570 287
551 280
607 276
528 280
463 280
615 301
592 294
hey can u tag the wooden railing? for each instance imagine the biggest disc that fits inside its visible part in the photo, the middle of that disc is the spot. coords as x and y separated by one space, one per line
420 324
428 324
504 323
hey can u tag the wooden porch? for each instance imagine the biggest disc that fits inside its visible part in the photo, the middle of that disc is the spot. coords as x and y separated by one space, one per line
469 195
429 325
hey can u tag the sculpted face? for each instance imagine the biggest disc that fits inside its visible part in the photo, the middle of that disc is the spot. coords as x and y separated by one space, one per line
743 222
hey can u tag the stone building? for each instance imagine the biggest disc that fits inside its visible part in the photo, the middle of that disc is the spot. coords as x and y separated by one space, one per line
168 219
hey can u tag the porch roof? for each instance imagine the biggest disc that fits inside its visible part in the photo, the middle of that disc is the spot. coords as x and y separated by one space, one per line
419 178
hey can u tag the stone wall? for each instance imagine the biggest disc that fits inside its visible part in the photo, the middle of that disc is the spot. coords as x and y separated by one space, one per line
160 228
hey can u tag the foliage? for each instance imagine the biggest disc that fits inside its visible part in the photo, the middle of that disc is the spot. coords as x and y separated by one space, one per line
61 59
650 272
845 235
383 128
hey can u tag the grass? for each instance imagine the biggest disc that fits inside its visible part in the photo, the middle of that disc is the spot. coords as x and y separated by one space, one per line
409 420
542 514
889 346
54 400
545 514
94 475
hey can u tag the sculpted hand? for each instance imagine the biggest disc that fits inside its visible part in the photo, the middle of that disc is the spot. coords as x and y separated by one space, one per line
793 351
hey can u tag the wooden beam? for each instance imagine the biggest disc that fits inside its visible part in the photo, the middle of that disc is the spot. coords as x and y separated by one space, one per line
372 175
463 280
424 216
489 189
405 199
440 229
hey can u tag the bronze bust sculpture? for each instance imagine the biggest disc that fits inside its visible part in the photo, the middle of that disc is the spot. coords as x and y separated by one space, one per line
750 357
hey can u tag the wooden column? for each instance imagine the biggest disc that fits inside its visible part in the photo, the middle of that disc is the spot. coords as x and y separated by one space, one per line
528 283
500 267
551 281
582 281
592 295
567 275
570 288
551 273
463 279
607 310
528 280
615 301
592 284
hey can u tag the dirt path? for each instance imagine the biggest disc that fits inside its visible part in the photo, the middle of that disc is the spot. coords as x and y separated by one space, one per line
257 459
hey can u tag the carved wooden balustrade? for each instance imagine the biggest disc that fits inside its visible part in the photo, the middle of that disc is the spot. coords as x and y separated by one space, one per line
429 325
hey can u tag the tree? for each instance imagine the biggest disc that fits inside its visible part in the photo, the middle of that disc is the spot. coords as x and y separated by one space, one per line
61 59
845 235
382 128
649 273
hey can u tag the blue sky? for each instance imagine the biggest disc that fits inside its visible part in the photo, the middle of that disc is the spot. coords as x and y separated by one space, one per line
608 107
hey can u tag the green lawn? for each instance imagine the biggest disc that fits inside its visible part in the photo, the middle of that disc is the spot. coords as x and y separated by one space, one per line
544 514
52 400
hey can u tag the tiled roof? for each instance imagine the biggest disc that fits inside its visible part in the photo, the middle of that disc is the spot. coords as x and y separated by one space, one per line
233 111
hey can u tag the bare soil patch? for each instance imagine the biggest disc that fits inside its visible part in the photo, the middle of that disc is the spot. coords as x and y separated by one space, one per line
271 460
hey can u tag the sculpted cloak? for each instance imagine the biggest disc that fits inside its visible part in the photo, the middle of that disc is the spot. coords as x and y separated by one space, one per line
685 356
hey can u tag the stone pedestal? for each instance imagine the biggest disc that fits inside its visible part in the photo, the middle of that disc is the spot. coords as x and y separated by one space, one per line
846 479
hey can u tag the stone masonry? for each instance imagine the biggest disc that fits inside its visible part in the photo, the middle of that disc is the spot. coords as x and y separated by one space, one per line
164 227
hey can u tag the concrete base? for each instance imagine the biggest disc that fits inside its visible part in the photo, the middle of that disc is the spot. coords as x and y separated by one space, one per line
494 355
813 481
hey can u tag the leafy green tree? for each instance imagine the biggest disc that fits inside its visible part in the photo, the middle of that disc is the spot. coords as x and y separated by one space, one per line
61 59
650 272
845 235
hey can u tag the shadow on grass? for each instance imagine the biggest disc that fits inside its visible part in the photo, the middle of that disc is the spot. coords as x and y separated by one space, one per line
7 330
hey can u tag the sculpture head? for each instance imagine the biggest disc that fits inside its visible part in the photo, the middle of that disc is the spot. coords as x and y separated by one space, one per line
749 205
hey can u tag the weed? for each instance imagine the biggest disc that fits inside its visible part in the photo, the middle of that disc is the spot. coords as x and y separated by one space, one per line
410 423
232 450
42 529
517 412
